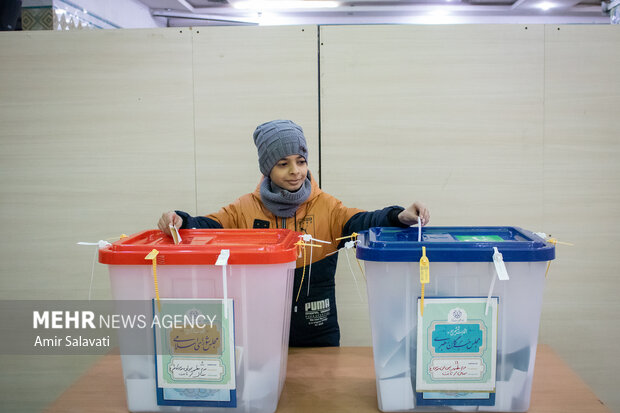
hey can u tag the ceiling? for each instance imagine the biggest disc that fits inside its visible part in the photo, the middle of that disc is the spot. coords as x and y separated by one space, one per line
279 12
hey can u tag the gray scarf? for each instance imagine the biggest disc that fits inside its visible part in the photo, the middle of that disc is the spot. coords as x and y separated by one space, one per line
281 202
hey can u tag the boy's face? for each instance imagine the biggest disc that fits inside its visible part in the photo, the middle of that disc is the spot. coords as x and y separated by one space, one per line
290 173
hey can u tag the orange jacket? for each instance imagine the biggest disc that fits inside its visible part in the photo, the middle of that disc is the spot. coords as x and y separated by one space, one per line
314 319
321 216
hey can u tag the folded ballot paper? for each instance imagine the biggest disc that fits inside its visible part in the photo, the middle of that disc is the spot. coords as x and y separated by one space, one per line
175 234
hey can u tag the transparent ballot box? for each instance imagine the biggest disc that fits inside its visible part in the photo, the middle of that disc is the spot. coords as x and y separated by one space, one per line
218 308
454 314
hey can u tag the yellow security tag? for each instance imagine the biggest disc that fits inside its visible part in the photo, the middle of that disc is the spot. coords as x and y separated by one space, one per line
353 235
424 277
555 242
153 256
424 272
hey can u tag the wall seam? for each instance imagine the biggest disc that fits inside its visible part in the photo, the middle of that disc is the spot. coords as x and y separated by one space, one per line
318 42
544 126
194 132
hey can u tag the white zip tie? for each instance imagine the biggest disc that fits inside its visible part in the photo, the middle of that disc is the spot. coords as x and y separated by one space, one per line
502 274
350 244
309 272
486 309
222 260
100 244
346 253
347 246
500 267
541 235
92 275
308 237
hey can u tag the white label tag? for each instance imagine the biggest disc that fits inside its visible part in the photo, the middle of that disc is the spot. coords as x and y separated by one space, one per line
222 259
500 267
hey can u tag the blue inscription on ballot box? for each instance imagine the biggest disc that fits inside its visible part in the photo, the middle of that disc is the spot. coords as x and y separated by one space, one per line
457 338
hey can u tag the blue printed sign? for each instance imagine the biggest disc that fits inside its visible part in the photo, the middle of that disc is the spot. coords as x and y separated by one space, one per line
457 338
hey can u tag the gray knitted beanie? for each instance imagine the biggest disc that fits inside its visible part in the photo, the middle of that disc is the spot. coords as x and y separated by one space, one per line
278 139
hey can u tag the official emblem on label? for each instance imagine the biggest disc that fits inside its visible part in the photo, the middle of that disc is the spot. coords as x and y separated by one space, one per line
457 315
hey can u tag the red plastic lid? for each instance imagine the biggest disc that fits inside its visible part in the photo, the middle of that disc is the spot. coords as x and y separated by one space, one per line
203 246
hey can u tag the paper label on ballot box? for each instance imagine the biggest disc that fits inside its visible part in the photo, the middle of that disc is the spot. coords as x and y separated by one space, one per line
195 352
457 345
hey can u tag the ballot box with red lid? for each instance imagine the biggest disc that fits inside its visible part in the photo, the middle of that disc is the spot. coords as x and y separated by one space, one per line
236 285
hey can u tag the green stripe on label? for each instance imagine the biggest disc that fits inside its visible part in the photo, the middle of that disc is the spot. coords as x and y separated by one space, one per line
479 238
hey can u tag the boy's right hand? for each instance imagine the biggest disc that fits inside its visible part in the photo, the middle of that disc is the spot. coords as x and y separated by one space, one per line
168 218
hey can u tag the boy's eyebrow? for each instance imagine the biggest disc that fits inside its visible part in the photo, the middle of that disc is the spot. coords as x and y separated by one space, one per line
297 158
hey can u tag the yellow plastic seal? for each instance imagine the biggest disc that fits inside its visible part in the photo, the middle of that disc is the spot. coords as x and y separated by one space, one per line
424 277
153 256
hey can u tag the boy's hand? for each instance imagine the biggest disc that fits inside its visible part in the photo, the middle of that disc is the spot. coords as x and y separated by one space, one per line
168 218
409 216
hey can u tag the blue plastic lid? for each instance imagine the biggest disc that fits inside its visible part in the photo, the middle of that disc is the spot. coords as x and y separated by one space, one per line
453 244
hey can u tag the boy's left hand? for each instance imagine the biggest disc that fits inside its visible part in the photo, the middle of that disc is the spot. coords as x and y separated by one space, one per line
410 215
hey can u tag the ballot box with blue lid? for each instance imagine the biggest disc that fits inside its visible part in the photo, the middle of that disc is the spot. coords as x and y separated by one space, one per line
462 336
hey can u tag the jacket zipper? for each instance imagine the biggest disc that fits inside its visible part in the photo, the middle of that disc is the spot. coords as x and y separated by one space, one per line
283 223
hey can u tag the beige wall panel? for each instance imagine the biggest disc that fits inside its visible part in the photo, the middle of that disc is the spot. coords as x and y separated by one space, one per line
96 140
582 198
449 115
244 76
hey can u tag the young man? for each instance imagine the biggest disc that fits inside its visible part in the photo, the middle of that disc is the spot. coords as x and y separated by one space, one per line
289 197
